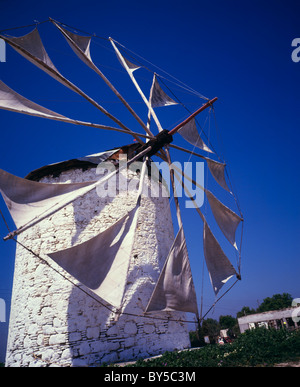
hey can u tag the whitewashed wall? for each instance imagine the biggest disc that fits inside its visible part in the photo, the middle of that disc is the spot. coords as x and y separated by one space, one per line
54 323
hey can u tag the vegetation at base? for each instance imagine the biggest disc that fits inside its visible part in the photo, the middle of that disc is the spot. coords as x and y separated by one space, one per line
257 347
211 328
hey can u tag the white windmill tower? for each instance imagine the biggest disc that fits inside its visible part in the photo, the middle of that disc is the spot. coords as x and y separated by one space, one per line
102 279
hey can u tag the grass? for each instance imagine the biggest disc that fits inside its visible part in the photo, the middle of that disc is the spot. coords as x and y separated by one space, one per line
258 347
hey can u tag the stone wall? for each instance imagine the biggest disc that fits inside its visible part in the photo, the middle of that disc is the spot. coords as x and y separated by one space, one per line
55 323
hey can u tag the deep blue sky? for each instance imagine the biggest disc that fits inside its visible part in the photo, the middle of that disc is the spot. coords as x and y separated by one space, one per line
237 51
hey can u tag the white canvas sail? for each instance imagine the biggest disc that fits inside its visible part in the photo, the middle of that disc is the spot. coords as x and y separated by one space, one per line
129 70
101 263
27 199
190 133
31 47
132 66
81 46
78 43
158 97
216 168
219 267
11 100
175 290
227 220
218 172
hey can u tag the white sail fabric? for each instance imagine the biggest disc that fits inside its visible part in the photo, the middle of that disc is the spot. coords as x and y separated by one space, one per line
219 267
82 42
217 170
79 44
101 263
227 220
175 290
27 199
11 100
190 133
61 201
128 66
32 43
31 47
131 66
158 96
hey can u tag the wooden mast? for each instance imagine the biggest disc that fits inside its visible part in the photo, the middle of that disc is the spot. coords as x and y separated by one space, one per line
203 107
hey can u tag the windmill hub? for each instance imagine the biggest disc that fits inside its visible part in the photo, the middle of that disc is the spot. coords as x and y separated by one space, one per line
161 139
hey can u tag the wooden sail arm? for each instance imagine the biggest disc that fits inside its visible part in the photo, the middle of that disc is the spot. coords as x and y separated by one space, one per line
52 71
89 62
123 62
71 197
164 137
203 107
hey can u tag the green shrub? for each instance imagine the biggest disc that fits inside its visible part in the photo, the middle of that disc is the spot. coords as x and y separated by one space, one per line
258 347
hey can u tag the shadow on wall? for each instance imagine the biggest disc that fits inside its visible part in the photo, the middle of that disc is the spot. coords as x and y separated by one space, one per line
97 336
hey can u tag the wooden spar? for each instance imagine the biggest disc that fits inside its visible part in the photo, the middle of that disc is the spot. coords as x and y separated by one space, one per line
121 59
109 84
60 78
203 107
148 104
82 191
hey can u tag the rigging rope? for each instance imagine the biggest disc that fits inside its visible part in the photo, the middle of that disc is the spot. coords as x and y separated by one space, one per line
214 304
29 25
189 111
181 85
235 197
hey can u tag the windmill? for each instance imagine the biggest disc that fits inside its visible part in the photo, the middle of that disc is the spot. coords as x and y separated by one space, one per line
99 265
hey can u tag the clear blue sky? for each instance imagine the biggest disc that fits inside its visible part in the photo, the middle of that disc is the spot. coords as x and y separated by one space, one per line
237 51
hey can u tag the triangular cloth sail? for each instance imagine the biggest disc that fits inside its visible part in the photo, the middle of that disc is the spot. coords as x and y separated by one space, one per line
101 263
79 44
31 47
190 133
158 96
175 288
219 267
11 100
217 170
227 220
27 199
83 42
131 66
32 43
